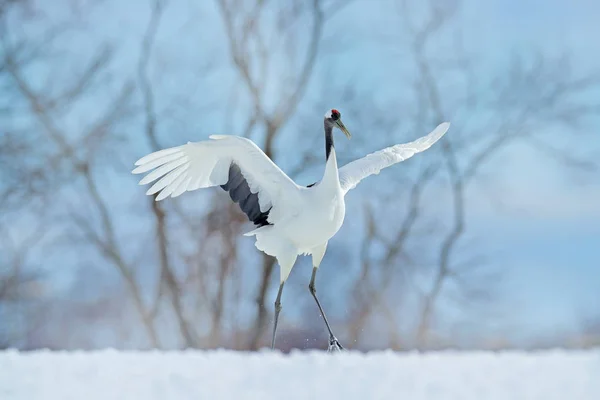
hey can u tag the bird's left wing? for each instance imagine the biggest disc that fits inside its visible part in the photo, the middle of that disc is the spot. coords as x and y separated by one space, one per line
219 161
352 173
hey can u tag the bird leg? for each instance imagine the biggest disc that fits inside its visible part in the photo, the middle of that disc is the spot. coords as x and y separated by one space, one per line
277 310
334 344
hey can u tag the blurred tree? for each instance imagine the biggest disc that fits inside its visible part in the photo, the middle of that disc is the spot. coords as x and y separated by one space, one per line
535 93
77 107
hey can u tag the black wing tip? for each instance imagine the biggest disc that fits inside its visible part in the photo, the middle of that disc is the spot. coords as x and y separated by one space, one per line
262 219
240 193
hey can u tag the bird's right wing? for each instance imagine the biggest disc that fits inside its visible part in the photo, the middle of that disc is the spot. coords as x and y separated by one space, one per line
352 173
233 162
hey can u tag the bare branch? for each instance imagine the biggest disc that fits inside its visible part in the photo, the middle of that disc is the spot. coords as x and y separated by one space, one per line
289 105
109 246
242 58
167 275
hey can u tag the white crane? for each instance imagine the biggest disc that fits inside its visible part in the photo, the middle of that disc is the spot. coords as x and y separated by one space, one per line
292 220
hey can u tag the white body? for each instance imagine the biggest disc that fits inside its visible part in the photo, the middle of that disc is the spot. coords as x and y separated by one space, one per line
302 219
300 227
317 216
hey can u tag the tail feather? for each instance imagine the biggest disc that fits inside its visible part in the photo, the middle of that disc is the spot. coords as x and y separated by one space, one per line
270 242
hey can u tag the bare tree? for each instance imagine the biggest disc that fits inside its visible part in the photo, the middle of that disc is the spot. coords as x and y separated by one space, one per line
167 279
72 156
246 32
179 276
561 101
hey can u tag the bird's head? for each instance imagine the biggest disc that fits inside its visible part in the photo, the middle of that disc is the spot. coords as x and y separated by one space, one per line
333 118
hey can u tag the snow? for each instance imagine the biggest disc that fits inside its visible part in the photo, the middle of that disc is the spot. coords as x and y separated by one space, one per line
110 374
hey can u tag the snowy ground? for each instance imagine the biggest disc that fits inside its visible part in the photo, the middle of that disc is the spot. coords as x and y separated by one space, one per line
572 375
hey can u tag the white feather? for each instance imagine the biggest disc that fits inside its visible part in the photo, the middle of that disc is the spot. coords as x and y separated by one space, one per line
156 155
154 162
168 179
164 169
352 173
205 164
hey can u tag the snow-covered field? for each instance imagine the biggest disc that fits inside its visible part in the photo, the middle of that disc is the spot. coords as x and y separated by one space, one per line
564 375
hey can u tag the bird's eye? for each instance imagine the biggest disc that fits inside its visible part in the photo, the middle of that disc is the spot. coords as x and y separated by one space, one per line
335 115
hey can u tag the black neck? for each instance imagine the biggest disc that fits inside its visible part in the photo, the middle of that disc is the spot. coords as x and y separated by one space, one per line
328 140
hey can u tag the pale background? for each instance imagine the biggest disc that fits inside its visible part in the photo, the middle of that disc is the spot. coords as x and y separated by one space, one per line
491 240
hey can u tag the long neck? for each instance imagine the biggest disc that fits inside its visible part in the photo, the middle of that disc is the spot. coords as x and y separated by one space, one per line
328 140
331 168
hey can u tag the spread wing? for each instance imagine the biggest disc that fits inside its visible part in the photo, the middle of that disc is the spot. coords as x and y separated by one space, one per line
352 173
232 162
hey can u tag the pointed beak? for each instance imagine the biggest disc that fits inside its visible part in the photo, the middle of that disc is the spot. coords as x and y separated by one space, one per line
340 125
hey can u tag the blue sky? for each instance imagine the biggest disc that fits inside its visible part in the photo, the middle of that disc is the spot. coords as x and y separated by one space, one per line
537 223
542 227
554 250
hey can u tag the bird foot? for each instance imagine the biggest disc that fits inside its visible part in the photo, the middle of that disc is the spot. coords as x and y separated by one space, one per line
334 345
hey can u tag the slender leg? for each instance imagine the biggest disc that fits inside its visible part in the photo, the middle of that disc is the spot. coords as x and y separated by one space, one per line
334 344
277 310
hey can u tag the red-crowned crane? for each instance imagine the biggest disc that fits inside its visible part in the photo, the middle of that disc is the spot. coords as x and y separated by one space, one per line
291 219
